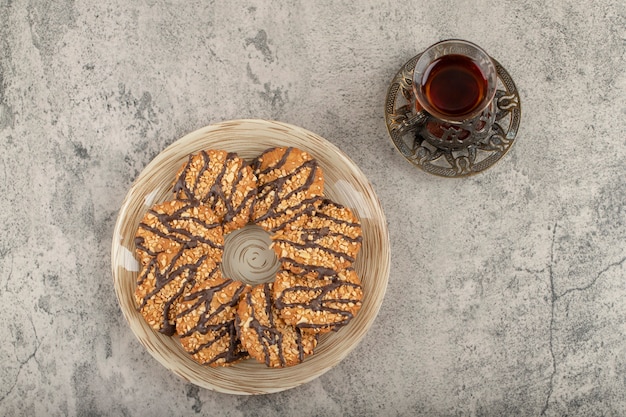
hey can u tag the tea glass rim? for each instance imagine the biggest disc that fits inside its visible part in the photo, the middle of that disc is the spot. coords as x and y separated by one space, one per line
424 61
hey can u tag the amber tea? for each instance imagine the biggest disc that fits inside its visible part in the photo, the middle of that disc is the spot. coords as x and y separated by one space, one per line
454 85
454 81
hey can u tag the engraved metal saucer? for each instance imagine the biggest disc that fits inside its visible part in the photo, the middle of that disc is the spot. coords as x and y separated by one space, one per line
401 117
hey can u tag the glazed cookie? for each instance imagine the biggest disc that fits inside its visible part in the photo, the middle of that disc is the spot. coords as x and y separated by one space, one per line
177 243
318 305
328 241
205 320
266 336
289 180
221 180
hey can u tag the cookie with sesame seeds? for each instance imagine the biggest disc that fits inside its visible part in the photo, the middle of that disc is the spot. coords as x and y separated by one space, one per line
265 335
327 241
205 320
289 184
177 243
317 305
223 181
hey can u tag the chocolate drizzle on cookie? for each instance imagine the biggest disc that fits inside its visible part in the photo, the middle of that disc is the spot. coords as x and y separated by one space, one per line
323 212
212 310
281 188
223 181
305 269
177 239
176 233
280 219
267 335
233 353
311 244
185 271
326 242
203 298
318 305
272 334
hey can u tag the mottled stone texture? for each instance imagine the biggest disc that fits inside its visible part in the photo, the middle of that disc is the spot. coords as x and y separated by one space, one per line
507 292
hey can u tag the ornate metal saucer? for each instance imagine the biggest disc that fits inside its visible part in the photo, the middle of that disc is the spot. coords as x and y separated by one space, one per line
460 161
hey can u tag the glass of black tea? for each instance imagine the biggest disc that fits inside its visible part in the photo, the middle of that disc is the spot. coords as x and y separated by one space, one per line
454 83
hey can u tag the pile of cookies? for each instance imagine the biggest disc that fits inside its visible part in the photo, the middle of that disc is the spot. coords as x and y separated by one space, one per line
181 289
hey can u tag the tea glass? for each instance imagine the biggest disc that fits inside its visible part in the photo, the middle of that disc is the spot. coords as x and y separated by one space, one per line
459 61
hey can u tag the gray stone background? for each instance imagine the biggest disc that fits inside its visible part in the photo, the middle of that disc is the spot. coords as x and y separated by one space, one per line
506 295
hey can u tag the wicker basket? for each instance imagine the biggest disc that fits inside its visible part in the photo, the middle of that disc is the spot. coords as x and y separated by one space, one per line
344 183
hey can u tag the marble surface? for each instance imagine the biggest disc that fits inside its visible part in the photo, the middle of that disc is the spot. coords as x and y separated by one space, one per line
507 290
